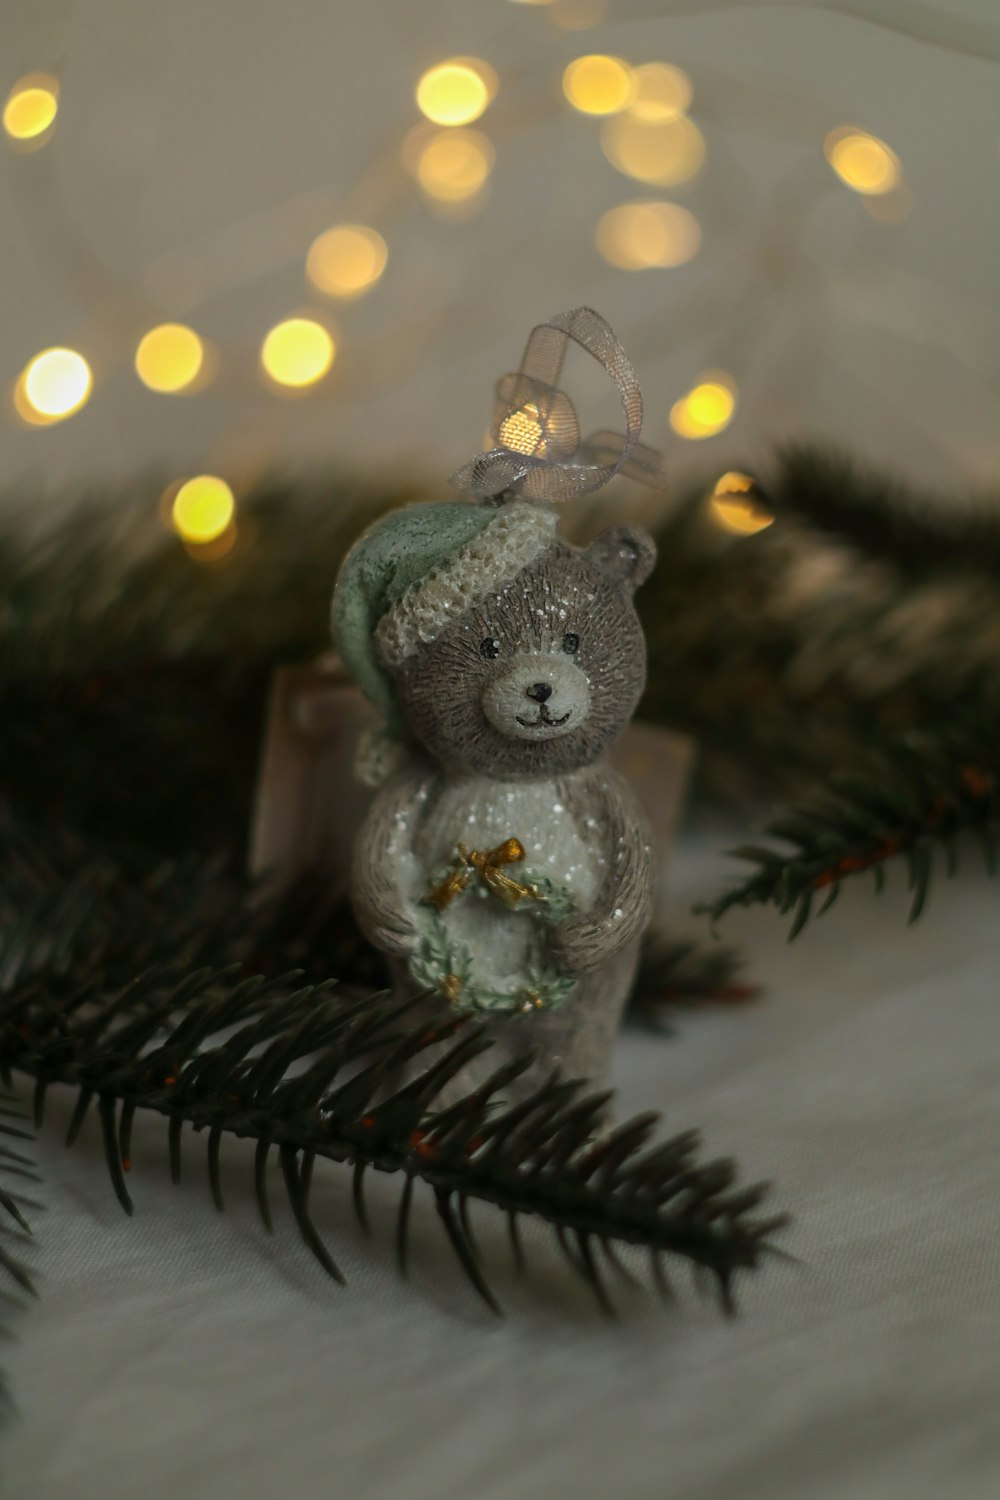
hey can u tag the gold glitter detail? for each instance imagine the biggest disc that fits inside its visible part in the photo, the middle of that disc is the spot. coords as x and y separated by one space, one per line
451 988
487 864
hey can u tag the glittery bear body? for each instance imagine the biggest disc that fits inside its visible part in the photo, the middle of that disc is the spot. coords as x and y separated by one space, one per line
505 865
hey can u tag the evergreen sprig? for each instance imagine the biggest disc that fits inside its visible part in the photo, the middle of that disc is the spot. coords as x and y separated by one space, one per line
881 516
681 973
916 800
307 1074
17 1280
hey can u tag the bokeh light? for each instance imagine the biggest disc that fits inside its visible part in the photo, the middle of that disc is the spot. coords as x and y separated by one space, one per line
202 509
662 152
576 15
862 161
639 236
52 386
707 408
892 207
735 507
456 92
598 85
347 260
659 92
522 430
169 357
31 107
297 352
452 165
218 549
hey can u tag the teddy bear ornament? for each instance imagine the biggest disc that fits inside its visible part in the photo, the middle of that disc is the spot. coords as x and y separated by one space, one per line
504 868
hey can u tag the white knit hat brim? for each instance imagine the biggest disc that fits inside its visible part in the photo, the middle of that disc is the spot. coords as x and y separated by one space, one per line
518 535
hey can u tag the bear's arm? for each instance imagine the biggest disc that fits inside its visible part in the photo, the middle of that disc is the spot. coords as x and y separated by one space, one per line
624 902
383 857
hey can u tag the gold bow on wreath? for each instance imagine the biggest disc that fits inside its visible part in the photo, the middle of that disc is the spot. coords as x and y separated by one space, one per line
487 864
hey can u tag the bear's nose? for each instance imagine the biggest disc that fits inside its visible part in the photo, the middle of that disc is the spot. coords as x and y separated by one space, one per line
540 691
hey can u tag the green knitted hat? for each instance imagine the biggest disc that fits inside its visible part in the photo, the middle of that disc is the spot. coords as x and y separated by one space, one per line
419 568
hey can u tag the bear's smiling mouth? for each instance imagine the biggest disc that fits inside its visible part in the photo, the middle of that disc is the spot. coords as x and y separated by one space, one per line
543 718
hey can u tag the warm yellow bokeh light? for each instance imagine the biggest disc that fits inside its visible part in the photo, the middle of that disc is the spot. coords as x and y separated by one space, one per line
347 260
31 107
735 508
297 352
638 236
215 551
707 408
169 357
454 164
457 91
203 509
659 92
598 85
664 152
861 160
54 385
522 430
892 207
576 15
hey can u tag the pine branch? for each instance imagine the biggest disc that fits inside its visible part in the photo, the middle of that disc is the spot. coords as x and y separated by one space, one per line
17 1280
71 917
307 1075
915 802
787 657
883 517
683 973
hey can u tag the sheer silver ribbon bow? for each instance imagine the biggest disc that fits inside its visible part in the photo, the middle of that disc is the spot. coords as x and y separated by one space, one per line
538 450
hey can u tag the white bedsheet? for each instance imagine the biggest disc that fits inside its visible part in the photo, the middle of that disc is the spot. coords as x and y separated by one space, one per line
184 1353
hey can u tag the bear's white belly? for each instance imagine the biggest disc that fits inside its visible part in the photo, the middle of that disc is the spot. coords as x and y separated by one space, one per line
505 945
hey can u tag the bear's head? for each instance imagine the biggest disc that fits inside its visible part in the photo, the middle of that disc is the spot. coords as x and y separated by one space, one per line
491 643
539 677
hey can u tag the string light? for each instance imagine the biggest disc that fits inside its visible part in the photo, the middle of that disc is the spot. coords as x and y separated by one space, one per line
347 260
297 352
707 408
169 358
638 236
598 85
734 506
453 165
31 108
456 92
523 431
576 15
202 509
862 161
52 386
659 92
663 152
892 207
217 549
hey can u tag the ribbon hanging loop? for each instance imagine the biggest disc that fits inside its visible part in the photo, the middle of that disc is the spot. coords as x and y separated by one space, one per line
538 452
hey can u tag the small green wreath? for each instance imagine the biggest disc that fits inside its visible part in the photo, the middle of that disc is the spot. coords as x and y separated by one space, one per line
444 963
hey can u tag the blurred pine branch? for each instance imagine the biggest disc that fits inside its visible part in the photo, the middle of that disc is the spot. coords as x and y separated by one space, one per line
914 802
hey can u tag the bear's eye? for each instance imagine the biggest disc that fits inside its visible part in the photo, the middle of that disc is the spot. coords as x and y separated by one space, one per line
489 647
571 643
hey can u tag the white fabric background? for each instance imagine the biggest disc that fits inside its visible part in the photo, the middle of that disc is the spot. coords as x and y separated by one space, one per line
182 1353
202 144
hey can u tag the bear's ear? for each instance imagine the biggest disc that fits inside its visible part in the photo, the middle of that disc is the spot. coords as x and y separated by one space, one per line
625 554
